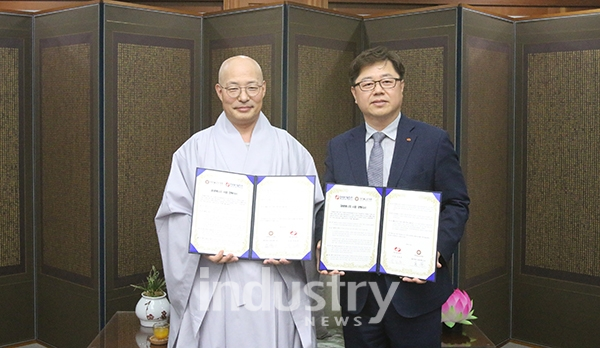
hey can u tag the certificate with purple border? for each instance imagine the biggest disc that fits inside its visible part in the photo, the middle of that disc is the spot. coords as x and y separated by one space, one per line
383 230
254 217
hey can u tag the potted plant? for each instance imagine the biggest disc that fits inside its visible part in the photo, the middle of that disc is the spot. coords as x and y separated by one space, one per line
154 305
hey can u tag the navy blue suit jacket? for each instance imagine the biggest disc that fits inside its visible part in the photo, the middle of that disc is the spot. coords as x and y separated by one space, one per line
424 160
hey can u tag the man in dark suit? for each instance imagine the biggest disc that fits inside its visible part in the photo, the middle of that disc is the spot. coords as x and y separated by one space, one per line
416 156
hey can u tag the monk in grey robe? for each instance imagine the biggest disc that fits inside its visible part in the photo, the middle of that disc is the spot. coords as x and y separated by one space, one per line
220 300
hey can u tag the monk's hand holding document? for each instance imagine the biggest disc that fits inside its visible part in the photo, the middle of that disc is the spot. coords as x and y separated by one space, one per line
382 230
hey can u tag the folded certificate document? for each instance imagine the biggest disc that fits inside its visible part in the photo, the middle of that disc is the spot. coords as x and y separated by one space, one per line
384 230
253 217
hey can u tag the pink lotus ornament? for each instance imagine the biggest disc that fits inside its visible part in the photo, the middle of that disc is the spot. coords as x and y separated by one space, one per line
458 309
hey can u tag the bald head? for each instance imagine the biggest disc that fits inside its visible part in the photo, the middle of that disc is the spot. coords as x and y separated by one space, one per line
241 89
232 66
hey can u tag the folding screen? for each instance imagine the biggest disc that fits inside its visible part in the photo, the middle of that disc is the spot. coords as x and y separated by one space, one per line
66 109
118 92
557 232
151 106
16 182
486 153
117 88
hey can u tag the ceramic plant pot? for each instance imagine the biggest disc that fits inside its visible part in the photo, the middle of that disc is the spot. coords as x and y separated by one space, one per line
151 310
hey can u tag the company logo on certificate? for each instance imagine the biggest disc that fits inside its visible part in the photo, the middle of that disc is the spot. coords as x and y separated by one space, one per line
255 217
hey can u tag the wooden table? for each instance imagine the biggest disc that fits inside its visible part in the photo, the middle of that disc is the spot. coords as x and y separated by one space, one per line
471 336
123 330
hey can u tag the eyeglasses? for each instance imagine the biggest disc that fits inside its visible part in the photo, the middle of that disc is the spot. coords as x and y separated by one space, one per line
369 85
235 91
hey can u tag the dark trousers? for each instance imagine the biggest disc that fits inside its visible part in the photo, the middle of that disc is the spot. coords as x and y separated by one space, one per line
394 330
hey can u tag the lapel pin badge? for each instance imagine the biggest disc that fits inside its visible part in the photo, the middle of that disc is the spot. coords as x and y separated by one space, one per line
408 139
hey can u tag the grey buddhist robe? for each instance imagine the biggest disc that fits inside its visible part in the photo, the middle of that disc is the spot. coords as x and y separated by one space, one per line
203 313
